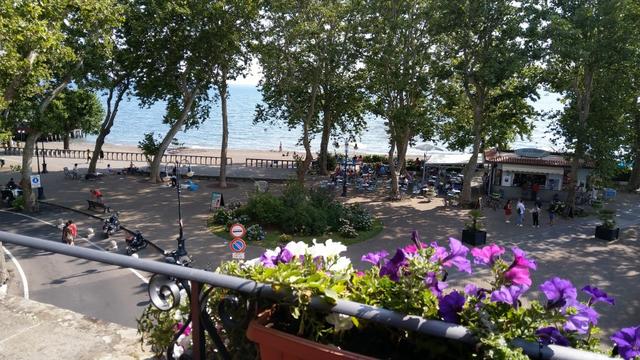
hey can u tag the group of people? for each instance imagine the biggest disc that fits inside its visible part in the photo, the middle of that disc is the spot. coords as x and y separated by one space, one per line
521 211
69 232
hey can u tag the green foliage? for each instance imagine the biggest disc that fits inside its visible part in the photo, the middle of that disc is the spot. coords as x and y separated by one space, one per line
75 109
157 328
222 216
608 218
358 217
375 158
255 233
284 238
18 203
149 145
264 208
348 231
475 215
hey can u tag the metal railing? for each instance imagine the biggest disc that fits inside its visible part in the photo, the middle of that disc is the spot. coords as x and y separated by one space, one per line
270 163
197 277
121 156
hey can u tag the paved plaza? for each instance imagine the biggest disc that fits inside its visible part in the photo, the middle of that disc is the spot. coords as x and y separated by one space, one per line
566 249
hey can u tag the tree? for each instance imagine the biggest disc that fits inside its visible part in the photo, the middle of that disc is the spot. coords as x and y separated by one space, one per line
74 109
235 22
397 69
486 49
587 42
81 30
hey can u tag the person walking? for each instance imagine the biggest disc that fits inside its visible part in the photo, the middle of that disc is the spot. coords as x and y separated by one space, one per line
521 211
507 211
69 232
535 214
551 216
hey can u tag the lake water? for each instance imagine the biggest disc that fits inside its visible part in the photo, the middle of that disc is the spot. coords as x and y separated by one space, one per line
132 122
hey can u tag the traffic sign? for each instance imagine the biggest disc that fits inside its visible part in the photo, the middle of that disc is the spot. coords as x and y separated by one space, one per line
35 181
238 245
237 230
237 256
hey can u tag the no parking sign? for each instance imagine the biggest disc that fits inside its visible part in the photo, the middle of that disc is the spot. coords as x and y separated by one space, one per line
35 181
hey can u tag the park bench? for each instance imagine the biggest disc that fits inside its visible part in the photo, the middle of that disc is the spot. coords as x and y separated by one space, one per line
94 205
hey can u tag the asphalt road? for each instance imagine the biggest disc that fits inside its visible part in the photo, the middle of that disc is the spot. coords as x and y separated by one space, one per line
98 290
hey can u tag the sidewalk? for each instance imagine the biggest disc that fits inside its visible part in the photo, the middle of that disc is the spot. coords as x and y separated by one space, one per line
62 334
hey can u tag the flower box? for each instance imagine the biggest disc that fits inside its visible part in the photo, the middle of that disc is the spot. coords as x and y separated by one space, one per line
607 234
278 345
474 237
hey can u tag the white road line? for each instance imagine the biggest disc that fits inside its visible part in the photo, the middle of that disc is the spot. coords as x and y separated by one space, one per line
23 277
134 271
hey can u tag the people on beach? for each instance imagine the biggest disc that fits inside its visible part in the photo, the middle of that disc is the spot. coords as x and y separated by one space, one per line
507 211
521 211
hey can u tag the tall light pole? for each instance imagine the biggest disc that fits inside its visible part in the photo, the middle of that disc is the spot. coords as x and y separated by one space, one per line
346 161
181 251
44 161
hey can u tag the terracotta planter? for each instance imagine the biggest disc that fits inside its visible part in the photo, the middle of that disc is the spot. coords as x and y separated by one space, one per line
278 345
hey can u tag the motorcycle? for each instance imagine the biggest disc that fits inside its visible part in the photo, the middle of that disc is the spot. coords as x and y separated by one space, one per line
111 225
135 242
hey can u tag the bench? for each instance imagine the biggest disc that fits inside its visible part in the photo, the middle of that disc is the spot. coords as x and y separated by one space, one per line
94 205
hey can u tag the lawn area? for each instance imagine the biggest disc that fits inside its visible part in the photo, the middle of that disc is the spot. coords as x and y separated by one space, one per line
272 237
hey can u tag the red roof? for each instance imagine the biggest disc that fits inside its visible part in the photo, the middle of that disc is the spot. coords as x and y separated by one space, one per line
501 157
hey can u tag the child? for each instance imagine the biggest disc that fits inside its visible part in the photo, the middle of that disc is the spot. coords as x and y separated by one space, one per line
507 211
551 216
535 213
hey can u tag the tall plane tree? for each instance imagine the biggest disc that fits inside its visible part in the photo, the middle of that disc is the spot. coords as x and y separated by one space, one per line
174 45
397 68
587 41
486 48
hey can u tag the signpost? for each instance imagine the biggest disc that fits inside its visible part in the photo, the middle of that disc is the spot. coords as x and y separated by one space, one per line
35 181
217 200
237 245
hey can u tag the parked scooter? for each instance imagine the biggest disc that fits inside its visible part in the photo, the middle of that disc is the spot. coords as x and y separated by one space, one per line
111 225
135 242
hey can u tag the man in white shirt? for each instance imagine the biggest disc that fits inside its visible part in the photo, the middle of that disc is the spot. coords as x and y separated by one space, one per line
521 211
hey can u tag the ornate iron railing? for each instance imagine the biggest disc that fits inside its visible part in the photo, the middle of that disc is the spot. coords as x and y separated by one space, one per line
181 276
122 156
271 163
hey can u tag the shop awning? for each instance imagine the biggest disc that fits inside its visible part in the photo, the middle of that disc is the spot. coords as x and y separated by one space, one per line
527 169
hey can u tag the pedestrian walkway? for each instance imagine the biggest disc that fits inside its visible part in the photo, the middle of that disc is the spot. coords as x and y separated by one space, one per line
62 334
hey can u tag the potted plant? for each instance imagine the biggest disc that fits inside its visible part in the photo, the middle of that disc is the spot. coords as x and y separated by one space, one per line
472 233
607 230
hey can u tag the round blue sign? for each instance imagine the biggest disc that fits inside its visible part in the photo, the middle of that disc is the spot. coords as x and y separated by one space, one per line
238 245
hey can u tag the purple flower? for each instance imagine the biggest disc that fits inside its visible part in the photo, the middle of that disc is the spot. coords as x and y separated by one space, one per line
627 342
456 257
375 257
392 266
597 295
551 335
559 292
285 256
509 295
582 320
471 290
518 271
487 255
436 287
450 307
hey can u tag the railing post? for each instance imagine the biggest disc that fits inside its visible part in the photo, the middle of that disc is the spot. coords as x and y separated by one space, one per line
197 331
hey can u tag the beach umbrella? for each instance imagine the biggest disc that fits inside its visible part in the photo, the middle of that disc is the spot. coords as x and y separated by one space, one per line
427 147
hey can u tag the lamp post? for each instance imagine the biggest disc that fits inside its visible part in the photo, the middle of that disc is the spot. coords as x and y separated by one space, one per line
181 251
346 161
44 161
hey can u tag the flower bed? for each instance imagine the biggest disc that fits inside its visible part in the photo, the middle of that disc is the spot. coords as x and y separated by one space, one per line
413 281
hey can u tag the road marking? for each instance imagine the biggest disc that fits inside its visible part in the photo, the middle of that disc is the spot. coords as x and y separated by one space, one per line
134 271
19 333
23 277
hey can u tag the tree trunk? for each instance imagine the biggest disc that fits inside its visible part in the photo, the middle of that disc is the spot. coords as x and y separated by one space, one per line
157 159
25 182
65 141
225 129
306 141
395 189
634 180
105 128
470 168
327 124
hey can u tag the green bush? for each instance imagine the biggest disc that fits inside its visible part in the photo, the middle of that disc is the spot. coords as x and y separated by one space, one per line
264 208
255 233
348 231
304 219
222 216
358 217
18 203
284 238
374 158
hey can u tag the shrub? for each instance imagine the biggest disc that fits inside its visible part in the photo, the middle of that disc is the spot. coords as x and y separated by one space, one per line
303 219
238 219
264 208
284 238
358 217
18 203
222 216
255 233
374 158
348 231
608 218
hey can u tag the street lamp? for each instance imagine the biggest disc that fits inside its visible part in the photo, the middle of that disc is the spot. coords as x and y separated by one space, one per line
346 159
181 251
44 161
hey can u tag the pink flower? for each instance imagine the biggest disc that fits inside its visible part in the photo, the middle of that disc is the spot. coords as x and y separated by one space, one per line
518 272
457 256
487 255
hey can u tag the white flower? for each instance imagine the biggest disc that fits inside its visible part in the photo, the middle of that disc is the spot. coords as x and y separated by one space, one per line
297 248
177 316
326 250
340 322
340 265
177 351
251 263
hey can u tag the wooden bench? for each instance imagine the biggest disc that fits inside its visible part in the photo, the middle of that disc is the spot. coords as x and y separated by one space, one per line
94 205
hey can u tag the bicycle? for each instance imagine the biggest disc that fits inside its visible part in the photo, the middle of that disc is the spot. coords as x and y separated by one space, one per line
492 201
